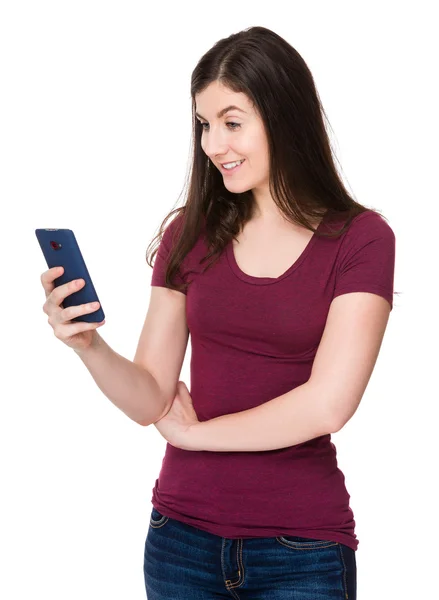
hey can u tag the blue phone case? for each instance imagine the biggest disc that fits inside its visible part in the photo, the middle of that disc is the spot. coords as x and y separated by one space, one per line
61 249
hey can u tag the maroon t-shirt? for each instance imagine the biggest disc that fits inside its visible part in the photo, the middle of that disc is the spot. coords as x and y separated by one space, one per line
253 339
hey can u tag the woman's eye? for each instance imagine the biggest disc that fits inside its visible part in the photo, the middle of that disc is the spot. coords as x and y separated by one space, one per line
235 125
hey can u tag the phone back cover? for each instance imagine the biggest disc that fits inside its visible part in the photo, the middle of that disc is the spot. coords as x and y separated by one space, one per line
70 258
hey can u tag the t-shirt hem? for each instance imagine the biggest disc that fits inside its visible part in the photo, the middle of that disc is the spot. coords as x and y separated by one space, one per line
162 284
232 532
371 289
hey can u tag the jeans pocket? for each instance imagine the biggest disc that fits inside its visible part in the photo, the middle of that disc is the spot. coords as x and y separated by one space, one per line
156 519
300 543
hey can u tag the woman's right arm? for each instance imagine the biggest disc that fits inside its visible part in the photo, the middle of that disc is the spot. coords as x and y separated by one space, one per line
144 388
128 385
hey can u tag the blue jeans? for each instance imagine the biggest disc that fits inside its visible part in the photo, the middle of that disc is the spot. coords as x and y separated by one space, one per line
182 562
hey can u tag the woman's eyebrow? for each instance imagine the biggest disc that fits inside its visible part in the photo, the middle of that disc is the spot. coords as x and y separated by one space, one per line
223 111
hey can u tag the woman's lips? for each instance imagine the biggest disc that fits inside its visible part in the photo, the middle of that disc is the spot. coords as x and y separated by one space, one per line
229 171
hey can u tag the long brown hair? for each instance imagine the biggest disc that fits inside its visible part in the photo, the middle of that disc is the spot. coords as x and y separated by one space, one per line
303 181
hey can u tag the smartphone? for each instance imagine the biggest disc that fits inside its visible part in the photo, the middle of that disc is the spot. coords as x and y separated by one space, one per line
61 249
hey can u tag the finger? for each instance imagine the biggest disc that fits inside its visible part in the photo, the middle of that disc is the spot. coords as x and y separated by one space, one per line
64 332
61 292
67 314
48 277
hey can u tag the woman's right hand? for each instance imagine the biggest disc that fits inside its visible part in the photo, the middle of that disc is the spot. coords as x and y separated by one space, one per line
78 335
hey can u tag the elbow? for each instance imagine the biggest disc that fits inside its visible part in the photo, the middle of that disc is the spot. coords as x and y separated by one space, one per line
335 426
153 418
330 405
337 422
333 421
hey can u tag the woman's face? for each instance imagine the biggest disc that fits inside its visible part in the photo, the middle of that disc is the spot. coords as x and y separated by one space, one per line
233 136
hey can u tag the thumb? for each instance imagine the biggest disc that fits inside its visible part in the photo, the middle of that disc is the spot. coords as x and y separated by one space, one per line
182 388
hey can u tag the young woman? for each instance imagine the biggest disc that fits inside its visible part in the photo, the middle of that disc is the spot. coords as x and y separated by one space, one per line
285 284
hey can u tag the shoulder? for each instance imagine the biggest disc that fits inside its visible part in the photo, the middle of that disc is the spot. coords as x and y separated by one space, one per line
367 249
372 221
367 226
368 243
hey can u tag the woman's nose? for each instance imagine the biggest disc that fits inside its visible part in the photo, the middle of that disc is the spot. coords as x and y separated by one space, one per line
215 145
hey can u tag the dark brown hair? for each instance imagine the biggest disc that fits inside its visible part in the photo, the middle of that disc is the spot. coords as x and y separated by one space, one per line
303 181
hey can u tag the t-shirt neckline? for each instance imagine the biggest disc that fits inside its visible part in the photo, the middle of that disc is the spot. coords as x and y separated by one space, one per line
269 280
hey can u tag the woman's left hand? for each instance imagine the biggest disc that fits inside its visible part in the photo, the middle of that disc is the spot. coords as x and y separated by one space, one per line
174 426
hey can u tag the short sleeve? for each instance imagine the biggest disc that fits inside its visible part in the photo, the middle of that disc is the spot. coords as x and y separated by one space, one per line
366 262
162 256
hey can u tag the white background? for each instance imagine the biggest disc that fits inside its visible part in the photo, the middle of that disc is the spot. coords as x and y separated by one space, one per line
95 128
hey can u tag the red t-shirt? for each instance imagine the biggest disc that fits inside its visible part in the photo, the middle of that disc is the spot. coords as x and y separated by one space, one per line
253 339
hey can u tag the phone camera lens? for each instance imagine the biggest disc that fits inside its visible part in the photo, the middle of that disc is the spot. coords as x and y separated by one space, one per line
54 245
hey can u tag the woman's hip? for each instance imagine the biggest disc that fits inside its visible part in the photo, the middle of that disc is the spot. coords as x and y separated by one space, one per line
183 562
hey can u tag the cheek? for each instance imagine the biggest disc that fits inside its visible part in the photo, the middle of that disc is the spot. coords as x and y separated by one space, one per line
254 146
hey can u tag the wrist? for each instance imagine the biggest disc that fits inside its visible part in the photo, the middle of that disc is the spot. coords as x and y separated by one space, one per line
95 344
188 440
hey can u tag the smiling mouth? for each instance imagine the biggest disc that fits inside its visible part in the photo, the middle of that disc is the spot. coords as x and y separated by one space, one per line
235 168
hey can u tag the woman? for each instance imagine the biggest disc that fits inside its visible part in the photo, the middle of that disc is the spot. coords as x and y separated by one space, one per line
286 322
251 504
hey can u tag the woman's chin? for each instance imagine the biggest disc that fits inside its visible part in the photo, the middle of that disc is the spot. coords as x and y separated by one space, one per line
238 187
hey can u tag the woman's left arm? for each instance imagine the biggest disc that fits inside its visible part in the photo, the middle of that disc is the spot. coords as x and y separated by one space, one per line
342 367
